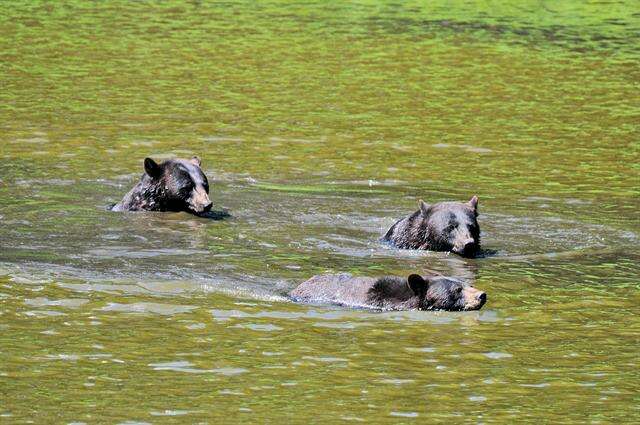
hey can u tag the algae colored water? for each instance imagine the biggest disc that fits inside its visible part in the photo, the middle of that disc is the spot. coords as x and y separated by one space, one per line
319 124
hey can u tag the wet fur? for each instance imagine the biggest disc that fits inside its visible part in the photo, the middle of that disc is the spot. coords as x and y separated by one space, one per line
392 293
174 185
437 227
411 233
147 195
385 293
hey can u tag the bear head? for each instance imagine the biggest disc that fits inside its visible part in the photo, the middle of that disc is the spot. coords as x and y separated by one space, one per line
452 226
442 293
182 184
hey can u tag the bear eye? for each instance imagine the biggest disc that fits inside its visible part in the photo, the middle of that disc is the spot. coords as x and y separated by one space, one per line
186 188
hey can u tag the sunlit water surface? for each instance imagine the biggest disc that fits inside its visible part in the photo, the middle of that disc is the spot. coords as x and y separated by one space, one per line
319 124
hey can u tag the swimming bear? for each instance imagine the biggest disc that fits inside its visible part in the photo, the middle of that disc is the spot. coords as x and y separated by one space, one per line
174 185
391 292
444 226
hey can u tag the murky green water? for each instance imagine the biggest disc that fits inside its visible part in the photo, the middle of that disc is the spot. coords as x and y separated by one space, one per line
319 124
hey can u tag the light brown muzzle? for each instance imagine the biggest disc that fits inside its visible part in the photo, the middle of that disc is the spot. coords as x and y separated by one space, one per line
474 298
199 201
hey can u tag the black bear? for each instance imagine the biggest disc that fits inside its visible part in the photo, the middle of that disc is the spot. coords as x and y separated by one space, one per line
174 185
444 226
391 292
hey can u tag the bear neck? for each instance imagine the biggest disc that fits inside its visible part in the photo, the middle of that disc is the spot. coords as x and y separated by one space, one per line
392 293
149 195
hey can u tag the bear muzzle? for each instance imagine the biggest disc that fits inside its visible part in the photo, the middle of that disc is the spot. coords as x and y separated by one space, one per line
199 201
474 298
466 248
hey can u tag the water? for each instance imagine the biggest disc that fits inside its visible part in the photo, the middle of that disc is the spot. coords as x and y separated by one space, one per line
319 124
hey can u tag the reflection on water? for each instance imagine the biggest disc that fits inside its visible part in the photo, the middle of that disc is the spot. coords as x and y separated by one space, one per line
319 125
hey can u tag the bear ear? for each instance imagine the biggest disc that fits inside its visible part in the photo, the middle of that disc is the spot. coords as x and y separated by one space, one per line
473 203
424 207
152 168
417 284
195 161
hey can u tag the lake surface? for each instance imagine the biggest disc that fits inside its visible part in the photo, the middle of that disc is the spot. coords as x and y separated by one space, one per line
319 124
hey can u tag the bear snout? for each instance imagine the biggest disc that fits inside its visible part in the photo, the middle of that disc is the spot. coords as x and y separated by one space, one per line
467 247
474 298
199 201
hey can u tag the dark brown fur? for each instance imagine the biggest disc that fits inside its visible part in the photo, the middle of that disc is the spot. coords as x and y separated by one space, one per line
391 292
174 185
444 226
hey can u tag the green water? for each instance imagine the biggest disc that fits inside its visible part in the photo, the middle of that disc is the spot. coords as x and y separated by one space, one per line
319 124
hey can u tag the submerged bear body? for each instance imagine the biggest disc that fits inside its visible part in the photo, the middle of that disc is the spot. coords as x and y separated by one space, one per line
390 292
444 226
174 185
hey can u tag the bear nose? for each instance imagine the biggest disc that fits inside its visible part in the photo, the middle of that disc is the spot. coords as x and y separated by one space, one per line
469 247
482 297
207 207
